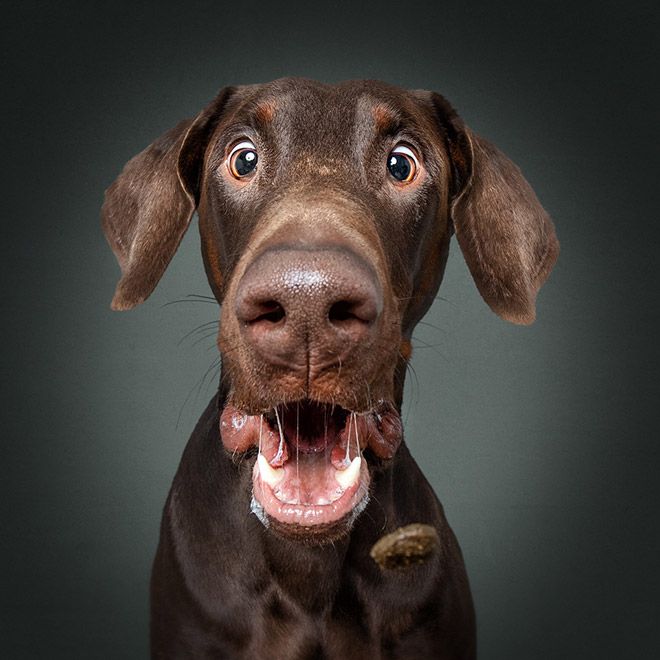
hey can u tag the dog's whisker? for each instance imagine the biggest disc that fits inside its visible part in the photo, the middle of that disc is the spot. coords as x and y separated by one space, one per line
415 389
433 326
199 328
202 338
200 296
432 347
215 363
183 300
325 426
261 426
280 449
368 388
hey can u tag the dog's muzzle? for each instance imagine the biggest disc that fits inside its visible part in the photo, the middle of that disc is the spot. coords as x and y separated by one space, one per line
309 320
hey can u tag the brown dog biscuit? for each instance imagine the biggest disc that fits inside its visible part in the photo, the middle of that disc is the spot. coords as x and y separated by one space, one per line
406 546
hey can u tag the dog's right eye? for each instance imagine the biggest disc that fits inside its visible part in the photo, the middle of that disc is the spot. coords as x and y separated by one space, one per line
243 159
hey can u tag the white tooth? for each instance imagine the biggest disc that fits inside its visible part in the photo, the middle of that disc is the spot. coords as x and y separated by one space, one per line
272 476
346 478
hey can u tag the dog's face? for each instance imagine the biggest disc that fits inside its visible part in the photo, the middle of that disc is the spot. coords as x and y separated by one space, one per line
325 215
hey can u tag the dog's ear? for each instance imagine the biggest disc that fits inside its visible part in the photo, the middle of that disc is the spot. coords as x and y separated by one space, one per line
149 206
506 237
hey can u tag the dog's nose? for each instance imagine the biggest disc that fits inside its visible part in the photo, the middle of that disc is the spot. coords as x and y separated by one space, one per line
296 305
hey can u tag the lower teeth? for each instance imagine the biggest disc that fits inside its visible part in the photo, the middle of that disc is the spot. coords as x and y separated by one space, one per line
274 477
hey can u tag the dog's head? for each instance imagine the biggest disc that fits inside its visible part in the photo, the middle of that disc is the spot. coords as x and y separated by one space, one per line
325 215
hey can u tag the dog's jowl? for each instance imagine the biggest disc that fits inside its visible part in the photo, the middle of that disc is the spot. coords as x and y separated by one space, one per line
325 213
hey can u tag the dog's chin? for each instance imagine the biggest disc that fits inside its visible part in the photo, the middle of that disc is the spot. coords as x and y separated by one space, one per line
310 480
317 533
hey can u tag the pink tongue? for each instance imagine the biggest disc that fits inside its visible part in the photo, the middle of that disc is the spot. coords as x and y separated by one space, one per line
310 479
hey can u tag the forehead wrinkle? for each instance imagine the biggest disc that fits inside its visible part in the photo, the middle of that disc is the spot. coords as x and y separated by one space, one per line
258 114
265 110
386 119
376 120
254 110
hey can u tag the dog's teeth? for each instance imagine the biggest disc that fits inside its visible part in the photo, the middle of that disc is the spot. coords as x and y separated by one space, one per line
346 478
272 476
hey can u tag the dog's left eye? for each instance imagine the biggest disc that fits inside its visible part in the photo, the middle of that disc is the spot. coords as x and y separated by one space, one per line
402 164
243 159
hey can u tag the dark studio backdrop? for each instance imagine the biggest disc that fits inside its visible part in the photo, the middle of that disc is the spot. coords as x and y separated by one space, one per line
541 442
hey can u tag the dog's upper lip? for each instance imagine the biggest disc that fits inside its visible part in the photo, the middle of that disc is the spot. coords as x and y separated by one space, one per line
379 429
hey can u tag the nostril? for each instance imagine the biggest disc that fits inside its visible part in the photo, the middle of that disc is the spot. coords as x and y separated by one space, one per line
347 313
269 312
341 311
258 310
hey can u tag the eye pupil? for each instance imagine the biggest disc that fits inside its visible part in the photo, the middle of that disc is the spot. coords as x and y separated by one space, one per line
244 162
400 167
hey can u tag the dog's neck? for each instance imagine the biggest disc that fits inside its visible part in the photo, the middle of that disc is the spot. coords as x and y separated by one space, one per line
310 574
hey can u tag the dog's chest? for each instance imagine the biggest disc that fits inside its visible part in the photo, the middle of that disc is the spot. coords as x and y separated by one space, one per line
355 625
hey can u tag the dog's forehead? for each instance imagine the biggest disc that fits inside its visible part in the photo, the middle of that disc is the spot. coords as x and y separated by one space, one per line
314 114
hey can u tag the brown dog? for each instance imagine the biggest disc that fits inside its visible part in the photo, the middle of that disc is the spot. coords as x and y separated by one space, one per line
325 214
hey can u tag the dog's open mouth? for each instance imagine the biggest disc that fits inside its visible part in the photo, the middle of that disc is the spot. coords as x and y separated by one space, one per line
310 469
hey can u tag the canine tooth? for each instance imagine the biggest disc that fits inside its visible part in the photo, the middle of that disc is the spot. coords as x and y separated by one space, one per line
272 476
346 478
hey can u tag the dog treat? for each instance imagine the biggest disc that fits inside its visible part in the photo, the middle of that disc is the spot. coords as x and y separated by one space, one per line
406 546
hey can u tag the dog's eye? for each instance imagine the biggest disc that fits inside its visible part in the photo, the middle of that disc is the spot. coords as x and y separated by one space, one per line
402 164
243 159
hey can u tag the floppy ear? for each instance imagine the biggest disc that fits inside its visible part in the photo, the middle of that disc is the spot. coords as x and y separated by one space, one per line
506 237
149 206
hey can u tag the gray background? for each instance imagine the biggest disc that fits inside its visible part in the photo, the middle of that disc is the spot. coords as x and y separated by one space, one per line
541 442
